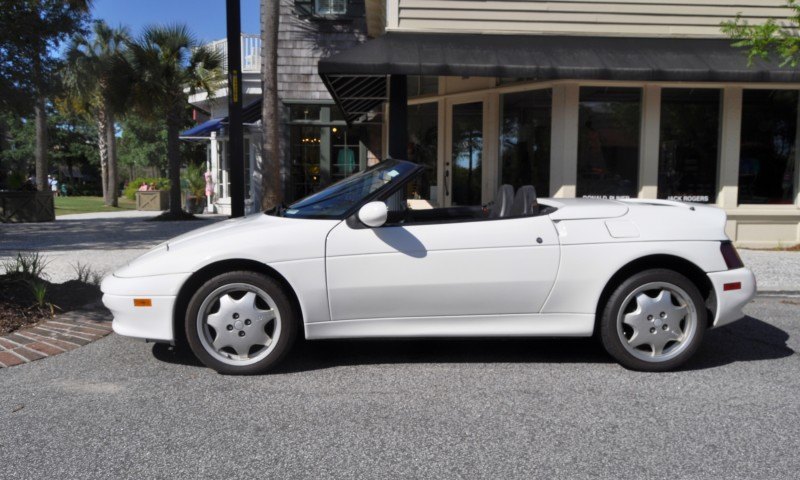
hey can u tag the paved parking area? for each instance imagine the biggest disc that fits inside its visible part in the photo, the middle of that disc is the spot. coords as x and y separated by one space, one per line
120 408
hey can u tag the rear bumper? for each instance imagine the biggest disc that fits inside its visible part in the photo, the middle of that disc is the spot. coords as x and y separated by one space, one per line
730 302
152 322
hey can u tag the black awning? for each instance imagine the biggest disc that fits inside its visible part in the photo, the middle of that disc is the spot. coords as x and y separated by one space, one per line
356 77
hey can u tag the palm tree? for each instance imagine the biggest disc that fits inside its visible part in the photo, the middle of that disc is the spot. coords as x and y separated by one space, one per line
169 64
270 146
97 77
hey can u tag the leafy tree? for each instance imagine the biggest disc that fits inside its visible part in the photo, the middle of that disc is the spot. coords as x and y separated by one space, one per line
30 32
766 40
143 145
170 64
97 76
72 143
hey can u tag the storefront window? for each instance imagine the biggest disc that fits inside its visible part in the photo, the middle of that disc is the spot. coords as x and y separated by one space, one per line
608 142
323 149
305 113
767 156
306 174
467 153
345 153
689 144
423 142
525 139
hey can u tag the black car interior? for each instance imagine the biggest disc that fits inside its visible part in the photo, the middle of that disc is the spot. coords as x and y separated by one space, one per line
506 204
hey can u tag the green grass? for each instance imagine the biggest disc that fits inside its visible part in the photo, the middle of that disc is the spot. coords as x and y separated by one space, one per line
67 205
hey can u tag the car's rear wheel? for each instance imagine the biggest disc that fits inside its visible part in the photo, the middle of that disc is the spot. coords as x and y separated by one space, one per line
653 321
240 323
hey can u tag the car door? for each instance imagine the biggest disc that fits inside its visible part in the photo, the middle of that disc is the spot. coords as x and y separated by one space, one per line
465 268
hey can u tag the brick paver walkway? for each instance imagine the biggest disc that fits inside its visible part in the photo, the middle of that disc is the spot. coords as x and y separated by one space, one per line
61 334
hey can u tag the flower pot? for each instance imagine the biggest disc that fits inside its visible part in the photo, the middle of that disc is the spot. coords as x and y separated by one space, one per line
21 206
152 200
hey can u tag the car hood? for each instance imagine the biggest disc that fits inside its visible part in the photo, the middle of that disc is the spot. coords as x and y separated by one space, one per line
258 237
216 228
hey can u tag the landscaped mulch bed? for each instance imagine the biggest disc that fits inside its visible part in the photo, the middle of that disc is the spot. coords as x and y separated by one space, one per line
71 316
19 308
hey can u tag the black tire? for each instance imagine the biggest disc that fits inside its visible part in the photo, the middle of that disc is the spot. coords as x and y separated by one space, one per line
628 316
202 336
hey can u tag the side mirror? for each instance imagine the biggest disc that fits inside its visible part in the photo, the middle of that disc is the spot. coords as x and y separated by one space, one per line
373 214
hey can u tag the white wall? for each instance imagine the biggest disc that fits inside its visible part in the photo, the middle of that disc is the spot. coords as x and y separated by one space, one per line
698 18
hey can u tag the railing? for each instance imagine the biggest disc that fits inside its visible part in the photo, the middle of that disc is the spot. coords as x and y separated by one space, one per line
251 52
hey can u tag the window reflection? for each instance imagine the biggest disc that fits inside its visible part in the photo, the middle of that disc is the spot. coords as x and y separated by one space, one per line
689 144
467 153
608 142
525 139
423 140
766 161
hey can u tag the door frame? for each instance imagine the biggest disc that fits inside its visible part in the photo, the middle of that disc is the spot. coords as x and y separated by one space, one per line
489 167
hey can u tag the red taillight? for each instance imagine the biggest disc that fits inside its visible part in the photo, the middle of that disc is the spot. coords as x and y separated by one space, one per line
732 286
731 256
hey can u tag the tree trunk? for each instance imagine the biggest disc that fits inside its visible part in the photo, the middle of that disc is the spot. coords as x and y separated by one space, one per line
174 161
113 177
270 122
40 153
102 148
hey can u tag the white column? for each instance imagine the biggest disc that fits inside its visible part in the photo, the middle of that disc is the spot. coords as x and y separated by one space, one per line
730 140
225 184
392 14
649 143
215 165
564 141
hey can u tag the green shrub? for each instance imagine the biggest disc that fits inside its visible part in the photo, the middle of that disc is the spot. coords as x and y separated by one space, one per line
195 180
133 186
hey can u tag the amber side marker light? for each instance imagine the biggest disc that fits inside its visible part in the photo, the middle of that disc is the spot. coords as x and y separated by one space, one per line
732 286
142 302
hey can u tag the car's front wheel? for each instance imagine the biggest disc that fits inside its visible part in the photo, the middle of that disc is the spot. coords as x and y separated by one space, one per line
240 323
653 321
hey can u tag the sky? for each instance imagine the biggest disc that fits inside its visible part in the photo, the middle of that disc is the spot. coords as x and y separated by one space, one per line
205 18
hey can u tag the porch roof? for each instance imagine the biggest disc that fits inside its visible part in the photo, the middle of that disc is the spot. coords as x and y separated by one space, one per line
251 113
357 78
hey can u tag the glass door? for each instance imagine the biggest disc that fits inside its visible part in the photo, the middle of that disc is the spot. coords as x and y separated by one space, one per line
463 169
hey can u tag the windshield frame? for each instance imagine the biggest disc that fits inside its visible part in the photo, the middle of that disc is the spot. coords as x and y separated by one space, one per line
400 180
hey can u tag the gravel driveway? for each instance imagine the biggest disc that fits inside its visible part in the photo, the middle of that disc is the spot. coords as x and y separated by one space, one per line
120 408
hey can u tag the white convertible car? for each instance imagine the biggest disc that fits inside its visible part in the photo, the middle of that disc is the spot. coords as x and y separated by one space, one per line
358 260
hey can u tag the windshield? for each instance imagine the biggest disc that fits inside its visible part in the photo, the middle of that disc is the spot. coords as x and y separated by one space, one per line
336 200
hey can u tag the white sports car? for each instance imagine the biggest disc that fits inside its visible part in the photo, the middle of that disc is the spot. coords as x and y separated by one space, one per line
362 259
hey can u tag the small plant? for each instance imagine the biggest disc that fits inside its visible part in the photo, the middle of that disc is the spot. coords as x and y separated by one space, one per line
26 264
97 278
82 271
86 274
39 290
